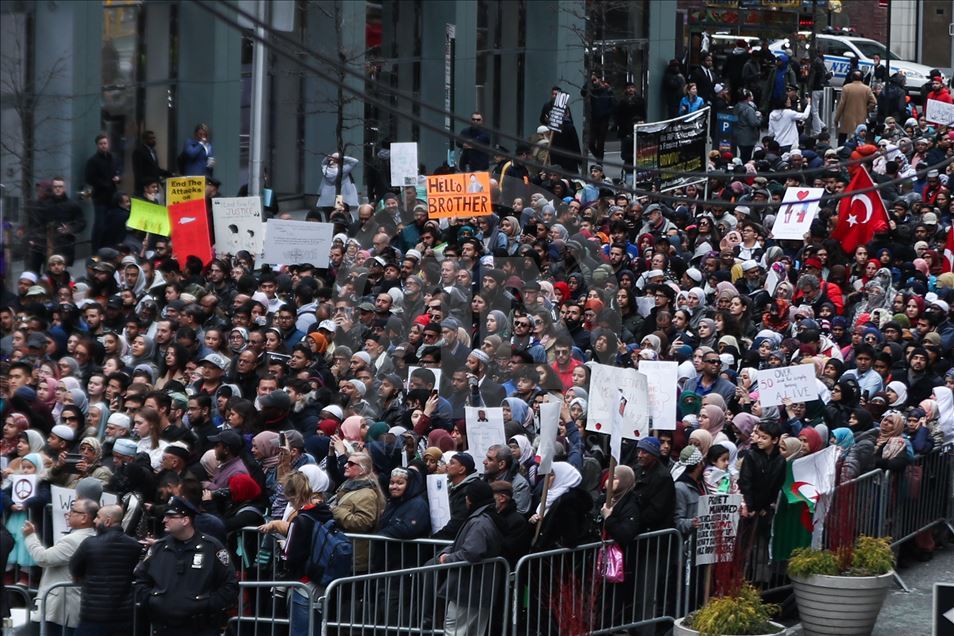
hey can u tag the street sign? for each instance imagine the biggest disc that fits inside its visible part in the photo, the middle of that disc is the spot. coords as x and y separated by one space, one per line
943 609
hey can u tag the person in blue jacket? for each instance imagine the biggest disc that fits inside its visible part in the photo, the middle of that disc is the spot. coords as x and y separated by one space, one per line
691 102
197 158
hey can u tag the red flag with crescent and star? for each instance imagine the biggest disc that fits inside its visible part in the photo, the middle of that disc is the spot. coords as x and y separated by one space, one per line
947 265
860 214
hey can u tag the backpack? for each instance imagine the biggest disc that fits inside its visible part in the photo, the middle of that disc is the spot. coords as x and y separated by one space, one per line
331 555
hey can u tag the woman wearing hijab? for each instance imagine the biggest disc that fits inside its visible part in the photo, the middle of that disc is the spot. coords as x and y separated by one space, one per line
142 351
711 420
701 439
406 517
892 451
810 440
742 426
14 424
621 525
522 451
517 413
30 464
897 394
564 512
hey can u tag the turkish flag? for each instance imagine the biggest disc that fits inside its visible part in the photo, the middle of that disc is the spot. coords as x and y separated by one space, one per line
948 264
860 215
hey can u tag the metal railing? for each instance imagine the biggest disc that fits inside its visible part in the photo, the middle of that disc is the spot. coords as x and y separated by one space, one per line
275 622
920 497
562 591
470 597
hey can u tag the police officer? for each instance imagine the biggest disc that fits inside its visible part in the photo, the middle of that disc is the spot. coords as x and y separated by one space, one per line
187 581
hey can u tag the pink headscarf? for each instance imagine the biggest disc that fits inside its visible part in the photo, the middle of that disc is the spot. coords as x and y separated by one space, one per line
922 266
716 419
351 428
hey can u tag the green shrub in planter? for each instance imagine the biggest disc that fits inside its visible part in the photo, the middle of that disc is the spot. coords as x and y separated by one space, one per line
742 613
870 556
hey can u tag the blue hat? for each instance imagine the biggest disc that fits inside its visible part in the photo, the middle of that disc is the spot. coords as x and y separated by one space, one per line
650 445
125 446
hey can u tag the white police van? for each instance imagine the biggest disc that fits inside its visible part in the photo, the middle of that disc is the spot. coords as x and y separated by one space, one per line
840 49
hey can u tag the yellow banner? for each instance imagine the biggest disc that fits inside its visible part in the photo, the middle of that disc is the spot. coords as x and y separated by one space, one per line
462 195
182 189
149 217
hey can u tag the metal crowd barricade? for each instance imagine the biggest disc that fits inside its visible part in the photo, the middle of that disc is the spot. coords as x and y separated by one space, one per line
562 591
389 554
919 498
71 602
470 597
273 622
18 590
857 507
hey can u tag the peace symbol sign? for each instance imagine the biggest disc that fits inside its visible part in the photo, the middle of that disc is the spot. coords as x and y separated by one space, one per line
23 489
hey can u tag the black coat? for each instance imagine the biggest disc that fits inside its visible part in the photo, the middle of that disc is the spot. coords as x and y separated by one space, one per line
100 171
104 564
761 478
517 533
656 496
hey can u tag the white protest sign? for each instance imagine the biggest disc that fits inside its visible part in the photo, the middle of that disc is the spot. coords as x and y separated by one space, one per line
718 528
436 372
290 242
485 428
438 501
549 427
795 383
938 112
22 488
62 499
606 382
798 210
661 379
404 164
644 305
108 499
237 224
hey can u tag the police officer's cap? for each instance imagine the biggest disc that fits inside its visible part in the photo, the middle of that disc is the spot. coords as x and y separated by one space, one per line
181 508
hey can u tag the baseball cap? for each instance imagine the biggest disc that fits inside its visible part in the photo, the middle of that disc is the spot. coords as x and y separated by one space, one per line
228 437
217 360
328 325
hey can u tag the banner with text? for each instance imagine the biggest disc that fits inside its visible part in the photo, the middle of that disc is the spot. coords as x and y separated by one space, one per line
938 112
794 383
665 149
149 217
452 196
190 231
182 189
718 528
485 428
238 225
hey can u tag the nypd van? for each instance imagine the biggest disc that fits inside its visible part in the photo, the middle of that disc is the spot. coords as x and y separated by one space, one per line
839 50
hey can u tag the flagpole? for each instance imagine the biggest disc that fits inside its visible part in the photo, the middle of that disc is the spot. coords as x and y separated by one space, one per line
543 506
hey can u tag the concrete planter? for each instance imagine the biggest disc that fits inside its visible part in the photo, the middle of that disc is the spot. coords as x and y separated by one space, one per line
839 605
679 630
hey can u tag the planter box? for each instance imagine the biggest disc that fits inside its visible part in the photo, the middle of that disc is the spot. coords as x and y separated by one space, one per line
679 630
840 605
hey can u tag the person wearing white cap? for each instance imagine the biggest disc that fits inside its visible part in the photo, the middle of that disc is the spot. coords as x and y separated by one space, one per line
481 386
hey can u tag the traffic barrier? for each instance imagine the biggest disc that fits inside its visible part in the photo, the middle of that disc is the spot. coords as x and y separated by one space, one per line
70 607
563 591
298 595
469 597
920 497
858 507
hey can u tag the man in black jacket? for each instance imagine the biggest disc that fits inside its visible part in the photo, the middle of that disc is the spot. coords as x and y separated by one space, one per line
104 565
516 529
145 162
102 176
654 487
63 219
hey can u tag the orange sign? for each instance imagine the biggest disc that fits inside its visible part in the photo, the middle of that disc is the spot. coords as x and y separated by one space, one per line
463 195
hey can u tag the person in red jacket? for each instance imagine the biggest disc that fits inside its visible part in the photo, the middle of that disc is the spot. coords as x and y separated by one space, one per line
939 91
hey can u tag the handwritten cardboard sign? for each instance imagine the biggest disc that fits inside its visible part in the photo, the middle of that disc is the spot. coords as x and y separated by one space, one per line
718 528
795 383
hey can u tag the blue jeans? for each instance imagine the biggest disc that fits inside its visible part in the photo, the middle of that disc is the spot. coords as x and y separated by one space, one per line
300 607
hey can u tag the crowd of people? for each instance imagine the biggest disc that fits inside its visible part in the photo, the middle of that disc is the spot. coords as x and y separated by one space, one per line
208 397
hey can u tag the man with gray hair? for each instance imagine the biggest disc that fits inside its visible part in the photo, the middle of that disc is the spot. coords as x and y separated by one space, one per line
62 604
499 465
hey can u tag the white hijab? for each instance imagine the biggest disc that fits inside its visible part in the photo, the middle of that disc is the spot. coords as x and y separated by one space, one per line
565 476
945 412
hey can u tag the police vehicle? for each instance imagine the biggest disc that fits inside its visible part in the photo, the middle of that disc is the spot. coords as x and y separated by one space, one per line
840 50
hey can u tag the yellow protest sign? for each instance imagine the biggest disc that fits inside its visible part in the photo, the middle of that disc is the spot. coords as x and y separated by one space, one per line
149 217
458 195
182 189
